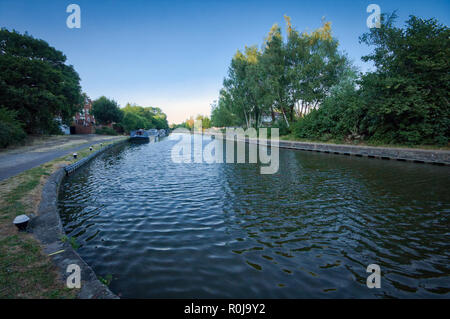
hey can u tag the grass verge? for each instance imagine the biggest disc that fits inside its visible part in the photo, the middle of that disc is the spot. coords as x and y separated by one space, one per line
25 271
293 138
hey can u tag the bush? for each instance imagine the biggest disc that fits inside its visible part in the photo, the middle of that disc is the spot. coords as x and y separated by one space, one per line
11 131
339 117
407 95
118 128
283 129
132 121
105 131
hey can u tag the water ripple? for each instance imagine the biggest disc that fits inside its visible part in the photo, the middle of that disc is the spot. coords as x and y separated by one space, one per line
221 230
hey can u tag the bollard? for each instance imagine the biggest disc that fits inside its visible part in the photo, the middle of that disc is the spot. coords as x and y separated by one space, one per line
21 222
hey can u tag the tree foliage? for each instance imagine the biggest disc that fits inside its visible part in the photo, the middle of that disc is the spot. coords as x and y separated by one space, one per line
306 85
222 113
288 77
138 117
36 82
405 100
106 111
11 130
189 123
206 122
407 97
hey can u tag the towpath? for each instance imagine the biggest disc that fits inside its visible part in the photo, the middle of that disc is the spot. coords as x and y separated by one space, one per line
42 150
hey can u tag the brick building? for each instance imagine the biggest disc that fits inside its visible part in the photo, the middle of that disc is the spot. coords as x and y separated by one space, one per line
84 122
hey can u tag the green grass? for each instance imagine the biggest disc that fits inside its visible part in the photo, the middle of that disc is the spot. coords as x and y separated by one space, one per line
292 137
25 271
72 241
107 280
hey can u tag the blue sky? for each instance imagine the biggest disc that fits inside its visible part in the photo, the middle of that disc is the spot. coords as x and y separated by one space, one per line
175 54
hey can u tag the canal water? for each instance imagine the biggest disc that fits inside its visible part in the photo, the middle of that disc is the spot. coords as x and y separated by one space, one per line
163 229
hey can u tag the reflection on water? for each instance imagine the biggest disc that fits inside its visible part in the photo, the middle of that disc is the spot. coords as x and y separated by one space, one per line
223 230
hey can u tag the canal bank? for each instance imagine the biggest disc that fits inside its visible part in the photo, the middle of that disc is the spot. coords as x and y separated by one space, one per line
437 157
19 159
400 154
27 269
47 228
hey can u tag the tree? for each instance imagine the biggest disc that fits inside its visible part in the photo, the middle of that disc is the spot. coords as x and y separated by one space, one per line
408 94
206 122
132 121
137 117
404 101
106 111
221 113
36 82
239 87
339 117
314 67
274 69
11 130
280 77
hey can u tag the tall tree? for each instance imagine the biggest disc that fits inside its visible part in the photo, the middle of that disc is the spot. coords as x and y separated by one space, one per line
106 111
274 68
408 94
137 117
314 66
36 82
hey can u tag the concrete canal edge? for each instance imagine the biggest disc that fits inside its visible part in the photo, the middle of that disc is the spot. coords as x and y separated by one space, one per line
400 154
47 228
437 157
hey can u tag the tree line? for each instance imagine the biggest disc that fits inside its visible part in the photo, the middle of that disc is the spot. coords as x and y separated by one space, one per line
189 123
307 87
39 91
131 117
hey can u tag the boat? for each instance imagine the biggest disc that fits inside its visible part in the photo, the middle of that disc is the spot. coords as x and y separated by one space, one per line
162 133
139 136
153 132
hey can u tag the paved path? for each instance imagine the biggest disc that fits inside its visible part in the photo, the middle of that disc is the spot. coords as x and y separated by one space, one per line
16 161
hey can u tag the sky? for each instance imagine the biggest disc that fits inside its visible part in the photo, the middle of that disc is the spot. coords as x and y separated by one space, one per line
175 54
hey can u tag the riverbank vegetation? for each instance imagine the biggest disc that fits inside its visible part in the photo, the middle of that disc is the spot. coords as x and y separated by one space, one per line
189 123
11 129
308 88
136 117
131 117
106 111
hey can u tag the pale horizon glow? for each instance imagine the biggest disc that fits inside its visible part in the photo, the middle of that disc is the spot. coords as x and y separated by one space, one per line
177 109
175 101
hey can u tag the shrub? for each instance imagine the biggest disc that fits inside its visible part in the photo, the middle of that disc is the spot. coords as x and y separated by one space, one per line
283 129
11 131
105 131
339 117
118 128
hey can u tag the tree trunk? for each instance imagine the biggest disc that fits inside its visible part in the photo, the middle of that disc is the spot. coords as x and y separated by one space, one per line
284 115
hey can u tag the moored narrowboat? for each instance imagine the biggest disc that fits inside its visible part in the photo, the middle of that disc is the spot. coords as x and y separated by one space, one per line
139 136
